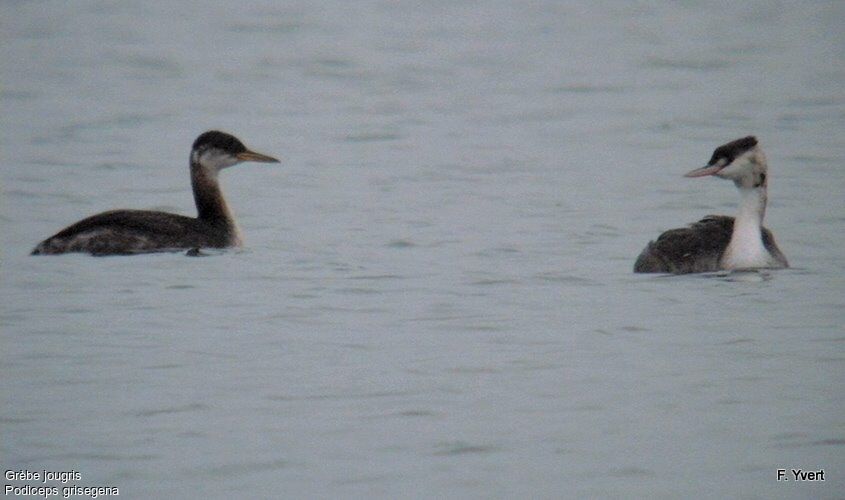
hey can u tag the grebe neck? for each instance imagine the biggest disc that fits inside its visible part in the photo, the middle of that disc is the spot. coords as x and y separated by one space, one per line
211 205
746 249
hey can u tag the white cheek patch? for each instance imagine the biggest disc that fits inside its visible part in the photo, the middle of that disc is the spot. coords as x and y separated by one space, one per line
737 168
214 160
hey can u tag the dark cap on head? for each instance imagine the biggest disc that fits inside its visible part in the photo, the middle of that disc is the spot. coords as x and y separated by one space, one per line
219 140
731 150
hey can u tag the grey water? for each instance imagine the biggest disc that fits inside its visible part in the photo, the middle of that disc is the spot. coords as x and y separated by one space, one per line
436 296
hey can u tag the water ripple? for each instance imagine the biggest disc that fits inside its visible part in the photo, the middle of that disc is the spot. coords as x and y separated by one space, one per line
341 396
455 448
173 409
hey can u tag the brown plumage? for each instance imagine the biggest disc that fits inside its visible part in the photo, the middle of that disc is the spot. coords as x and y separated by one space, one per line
126 232
717 241
695 249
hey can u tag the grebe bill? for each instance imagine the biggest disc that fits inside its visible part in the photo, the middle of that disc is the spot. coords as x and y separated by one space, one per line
719 242
126 232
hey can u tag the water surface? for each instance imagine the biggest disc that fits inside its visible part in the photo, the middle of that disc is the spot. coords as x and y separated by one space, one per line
436 297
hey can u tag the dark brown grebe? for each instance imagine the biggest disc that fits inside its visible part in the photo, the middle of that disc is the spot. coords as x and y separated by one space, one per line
719 242
125 232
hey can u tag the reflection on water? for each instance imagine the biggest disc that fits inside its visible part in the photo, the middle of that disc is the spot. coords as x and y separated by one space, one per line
436 294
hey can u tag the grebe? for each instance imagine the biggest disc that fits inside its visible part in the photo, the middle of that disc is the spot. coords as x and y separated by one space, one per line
125 232
719 242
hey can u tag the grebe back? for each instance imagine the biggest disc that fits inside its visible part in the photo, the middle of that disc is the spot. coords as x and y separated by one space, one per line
718 242
126 232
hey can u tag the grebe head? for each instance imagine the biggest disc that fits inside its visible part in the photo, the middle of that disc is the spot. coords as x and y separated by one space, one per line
741 161
214 151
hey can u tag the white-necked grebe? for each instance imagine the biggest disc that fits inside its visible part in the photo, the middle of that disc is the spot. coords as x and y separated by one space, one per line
719 242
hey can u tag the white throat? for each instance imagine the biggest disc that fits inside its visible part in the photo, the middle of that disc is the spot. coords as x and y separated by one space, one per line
746 249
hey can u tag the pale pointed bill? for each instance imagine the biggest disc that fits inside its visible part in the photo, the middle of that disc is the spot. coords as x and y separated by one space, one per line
258 157
707 170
